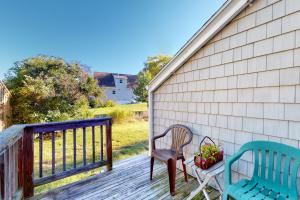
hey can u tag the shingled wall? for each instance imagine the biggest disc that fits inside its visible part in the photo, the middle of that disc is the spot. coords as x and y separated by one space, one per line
243 85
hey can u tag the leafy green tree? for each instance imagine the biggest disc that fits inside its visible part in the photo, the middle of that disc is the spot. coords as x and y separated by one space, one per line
152 66
46 89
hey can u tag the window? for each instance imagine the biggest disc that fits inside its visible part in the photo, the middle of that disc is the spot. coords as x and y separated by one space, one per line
121 81
114 92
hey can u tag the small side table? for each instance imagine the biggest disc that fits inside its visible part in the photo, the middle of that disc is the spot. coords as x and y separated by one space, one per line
211 173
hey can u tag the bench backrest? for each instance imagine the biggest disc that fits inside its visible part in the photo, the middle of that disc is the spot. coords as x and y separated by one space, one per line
276 165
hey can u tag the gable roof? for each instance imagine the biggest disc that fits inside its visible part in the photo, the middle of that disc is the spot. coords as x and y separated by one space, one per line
107 79
229 10
104 79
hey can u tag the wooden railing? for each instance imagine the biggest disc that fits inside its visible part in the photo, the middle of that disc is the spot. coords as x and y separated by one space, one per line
18 174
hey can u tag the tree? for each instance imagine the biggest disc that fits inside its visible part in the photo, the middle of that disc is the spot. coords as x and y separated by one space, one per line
46 89
152 66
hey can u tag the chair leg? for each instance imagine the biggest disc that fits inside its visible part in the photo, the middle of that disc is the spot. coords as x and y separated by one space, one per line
184 170
172 175
151 167
225 196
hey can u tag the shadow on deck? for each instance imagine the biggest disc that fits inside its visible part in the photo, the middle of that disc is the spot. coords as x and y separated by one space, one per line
129 179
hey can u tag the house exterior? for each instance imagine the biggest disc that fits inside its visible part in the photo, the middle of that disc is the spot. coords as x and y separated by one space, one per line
236 80
5 109
117 87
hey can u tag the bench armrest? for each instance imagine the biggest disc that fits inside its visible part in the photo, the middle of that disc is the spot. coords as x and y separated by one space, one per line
228 164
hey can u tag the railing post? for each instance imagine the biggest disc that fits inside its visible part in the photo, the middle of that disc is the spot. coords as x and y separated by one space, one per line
28 162
109 144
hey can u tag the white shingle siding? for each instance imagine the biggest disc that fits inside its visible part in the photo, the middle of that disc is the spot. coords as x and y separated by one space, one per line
243 85
257 33
274 28
263 47
278 9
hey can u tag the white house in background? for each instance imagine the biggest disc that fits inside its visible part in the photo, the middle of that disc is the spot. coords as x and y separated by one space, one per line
236 80
117 87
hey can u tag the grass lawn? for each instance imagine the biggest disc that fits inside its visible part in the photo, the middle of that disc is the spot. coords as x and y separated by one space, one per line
126 107
128 139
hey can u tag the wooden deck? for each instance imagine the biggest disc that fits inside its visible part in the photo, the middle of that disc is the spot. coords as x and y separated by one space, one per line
129 179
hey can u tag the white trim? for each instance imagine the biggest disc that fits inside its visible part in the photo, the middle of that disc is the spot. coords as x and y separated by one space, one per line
150 119
219 20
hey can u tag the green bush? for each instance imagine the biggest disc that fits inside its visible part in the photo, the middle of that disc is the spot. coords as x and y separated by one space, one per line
95 102
47 89
110 103
120 116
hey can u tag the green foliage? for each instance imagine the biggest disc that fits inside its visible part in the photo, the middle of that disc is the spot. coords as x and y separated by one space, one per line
46 89
94 102
109 103
140 107
152 67
121 116
141 91
209 151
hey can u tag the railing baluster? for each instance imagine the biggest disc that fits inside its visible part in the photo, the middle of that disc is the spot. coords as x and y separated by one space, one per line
84 145
11 170
101 142
41 154
53 152
93 142
2 176
15 168
6 175
20 164
74 148
64 150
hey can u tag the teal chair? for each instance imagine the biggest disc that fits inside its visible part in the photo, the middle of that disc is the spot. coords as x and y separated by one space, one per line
274 175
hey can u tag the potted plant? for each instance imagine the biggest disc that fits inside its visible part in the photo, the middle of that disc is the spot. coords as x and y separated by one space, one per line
209 154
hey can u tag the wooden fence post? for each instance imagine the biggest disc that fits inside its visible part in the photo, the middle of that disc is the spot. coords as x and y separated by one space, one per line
28 162
109 144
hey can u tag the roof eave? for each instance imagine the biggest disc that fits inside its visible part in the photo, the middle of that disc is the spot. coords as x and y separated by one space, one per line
217 22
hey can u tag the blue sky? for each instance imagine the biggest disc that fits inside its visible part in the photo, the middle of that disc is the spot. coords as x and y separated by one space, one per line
107 35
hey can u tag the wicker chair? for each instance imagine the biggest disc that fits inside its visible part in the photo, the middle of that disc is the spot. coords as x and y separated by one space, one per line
181 136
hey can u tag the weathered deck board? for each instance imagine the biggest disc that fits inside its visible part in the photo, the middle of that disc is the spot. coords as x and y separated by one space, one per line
129 179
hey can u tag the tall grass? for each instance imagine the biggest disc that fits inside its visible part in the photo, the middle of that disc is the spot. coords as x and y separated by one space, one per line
126 107
121 116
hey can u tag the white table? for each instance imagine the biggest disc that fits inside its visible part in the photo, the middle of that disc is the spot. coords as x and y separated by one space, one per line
211 174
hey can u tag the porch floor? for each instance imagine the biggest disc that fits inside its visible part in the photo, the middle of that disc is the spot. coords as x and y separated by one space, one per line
129 179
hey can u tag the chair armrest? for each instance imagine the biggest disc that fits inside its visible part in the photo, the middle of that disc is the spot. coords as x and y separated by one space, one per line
228 164
157 137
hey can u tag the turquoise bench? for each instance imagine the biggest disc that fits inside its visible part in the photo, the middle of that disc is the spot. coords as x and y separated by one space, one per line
279 181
